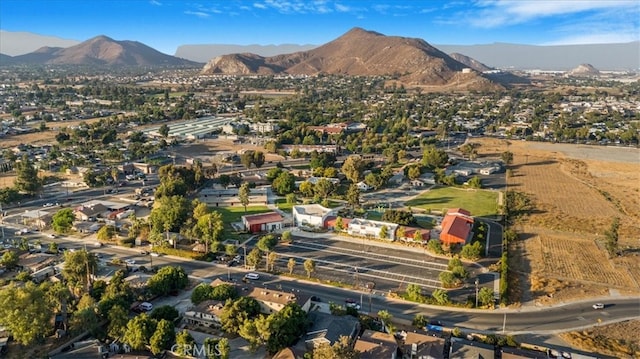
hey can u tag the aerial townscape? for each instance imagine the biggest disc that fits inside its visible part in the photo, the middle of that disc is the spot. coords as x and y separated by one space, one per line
369 196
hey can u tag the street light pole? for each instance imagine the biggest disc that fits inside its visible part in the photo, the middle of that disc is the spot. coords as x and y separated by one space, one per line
477 282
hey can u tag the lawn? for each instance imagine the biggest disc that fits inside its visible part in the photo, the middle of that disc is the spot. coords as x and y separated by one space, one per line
478 202
283 205
234 214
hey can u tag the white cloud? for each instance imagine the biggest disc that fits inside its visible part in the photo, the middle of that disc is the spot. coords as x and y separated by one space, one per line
494 13
199 14
259 5
155 2
245 8
342 8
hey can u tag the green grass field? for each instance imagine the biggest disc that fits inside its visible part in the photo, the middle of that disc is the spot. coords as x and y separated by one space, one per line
478 202
234 214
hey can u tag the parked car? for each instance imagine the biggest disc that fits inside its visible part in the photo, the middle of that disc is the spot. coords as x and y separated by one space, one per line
130 261
352 303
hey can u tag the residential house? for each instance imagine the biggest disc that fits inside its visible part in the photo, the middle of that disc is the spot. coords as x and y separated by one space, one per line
466 349
421 345
410 233
376 345
286 353
456 227
396 179
363 186
263 222
206 314
368 228
327 329
36 261
90 213
310 215
272 300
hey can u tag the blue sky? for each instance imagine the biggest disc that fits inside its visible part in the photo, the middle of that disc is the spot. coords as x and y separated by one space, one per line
166 24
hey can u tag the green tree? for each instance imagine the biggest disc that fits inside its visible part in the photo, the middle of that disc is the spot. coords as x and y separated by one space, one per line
62 220
384 232
353 167
309 267
78 266
26 312
168 279
9 259
353 196
184 340
199 209
414 293
340 349
118 319
169 213
163 337
243 195
258 158
106 233
164 130
440 296
284 183
339 224
85 319
385 318
306 188
139 331
471 250
485 296
272 258
254 258
435 246
507 157
247 159
27 179
413 172
323 188
53 248
611 237
286 237
166 312
210 227
434 158
475 182
224 349
285 327
236 312
420 321
448 279
291 265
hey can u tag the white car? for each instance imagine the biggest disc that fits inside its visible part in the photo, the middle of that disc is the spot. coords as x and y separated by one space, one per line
598 306
49 204
155 254
130 261
51 235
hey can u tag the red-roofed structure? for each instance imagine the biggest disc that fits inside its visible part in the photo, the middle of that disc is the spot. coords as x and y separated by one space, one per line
456 227
262 222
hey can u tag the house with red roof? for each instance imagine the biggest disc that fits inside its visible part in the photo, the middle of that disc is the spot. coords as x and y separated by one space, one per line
263 222
456 227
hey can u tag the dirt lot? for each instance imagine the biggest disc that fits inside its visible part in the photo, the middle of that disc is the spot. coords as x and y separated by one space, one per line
577 190
620 340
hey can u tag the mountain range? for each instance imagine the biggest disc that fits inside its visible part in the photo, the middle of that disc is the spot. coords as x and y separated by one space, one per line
605 57
100 51
360 52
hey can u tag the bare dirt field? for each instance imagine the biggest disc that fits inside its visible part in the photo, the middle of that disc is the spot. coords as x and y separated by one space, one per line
577 191
620 339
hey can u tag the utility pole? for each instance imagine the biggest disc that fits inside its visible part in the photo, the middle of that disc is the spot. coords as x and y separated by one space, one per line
477 282
504 322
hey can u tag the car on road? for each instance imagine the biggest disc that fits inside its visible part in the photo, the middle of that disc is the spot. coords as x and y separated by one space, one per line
253 276
51 235
130 261
352 303
598 306
155 254
144 253
48 204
